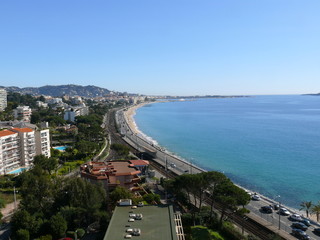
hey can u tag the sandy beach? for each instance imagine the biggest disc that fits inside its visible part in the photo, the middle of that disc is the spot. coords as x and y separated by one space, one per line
129 116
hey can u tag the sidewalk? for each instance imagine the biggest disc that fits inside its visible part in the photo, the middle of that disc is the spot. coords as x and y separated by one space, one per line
8 209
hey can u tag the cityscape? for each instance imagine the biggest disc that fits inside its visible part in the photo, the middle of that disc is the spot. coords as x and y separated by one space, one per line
159 120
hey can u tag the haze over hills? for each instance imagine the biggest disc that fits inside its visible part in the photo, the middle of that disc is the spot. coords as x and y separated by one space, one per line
60 90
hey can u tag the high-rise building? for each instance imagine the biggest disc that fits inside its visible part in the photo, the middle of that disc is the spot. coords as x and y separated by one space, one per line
3 99
43 142
9 151
19 146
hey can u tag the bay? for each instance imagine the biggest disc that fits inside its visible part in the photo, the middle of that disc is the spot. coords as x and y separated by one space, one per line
268 144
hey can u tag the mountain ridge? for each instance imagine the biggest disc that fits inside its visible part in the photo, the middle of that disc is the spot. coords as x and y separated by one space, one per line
60 90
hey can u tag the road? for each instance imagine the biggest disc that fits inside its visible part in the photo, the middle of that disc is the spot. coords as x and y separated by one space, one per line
5 231
273 218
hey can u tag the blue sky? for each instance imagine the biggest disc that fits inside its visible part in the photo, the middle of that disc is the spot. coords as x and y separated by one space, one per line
160 47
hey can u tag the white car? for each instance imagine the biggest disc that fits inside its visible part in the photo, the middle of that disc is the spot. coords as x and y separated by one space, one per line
256 197
284 211
295 217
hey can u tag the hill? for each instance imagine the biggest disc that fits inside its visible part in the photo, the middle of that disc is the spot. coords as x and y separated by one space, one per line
60 90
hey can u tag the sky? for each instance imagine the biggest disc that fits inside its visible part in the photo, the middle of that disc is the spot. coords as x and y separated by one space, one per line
163 47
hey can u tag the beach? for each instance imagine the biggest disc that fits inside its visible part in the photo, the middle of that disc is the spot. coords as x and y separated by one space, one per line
129 116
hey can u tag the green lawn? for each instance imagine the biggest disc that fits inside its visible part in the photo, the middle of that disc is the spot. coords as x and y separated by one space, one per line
8 198
203 233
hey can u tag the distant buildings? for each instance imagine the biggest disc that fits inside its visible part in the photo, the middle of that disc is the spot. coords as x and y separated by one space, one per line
3 99
22 113
19 146
73 112
41 104
54 101
112 174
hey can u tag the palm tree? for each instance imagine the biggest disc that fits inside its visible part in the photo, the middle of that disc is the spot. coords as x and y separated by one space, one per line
306 206
316 209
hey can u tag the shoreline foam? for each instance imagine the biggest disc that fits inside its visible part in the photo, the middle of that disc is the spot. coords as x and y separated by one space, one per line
129 115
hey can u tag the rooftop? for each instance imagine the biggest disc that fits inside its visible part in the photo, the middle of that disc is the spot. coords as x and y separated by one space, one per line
23 129
139 162
6 133
101 170
157 223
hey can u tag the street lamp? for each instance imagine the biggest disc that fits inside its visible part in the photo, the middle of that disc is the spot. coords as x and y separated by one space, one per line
279 211
191 165
76 234
15 198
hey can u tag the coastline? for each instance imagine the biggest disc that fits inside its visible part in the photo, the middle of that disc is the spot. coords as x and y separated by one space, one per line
129 116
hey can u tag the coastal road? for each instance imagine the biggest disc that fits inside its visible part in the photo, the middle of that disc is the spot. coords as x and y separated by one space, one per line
273 218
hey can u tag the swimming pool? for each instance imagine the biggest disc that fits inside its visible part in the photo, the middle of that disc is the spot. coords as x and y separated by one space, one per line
61 148
17 171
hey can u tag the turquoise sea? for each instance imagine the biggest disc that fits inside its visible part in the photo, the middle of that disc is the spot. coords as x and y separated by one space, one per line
268 144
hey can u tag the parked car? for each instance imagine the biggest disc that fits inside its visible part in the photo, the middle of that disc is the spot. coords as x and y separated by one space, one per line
300 234
316 231
295 217
306 222
284 211
276 206
299 225
266 209
256 197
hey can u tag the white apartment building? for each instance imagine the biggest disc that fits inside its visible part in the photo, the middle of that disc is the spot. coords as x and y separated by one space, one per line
70 114
3 99
9 151
19 146
41 104
22 113
43 142
53 101
27 145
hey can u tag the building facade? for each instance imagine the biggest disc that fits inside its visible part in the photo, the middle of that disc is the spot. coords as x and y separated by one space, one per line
19 146
3 99
9 151
72 113
42 138
22 113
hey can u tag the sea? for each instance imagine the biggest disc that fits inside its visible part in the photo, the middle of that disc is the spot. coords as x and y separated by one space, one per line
268 144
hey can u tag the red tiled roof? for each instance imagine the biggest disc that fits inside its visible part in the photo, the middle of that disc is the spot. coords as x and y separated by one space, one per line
23 129
6 133
139 162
